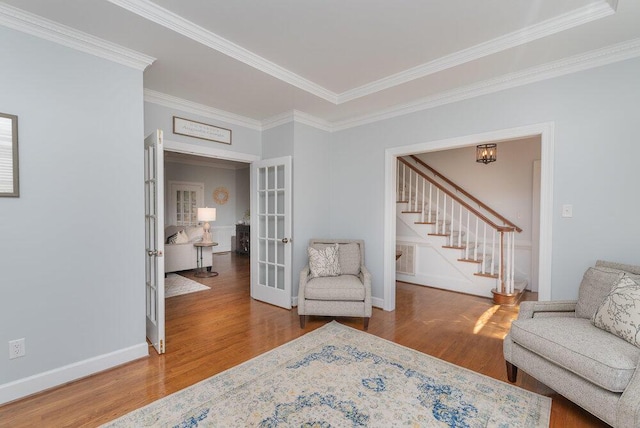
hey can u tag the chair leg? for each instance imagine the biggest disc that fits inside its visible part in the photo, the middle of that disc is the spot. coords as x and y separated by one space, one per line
303 320
366 323
512 372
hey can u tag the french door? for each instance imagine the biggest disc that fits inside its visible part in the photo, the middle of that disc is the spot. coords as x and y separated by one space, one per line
271 231
154 238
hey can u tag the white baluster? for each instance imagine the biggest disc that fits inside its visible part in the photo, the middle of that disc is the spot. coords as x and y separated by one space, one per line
513 260
493 251
501 249
460 228
475 250
424 183
430 191
466 251
403 180
484 247
409 189
444 213
398 182
452 218
437 208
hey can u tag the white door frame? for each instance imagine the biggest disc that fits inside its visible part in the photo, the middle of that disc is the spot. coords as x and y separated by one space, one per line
546 133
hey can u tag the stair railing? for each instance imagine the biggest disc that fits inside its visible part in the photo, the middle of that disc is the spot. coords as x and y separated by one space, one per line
449 207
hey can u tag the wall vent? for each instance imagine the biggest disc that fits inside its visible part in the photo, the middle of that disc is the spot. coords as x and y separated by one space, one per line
406 263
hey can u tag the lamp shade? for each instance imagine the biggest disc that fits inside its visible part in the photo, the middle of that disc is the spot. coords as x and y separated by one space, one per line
206 214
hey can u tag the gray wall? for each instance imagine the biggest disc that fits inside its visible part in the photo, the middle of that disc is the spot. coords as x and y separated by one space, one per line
72 247
310 150
243 140
596 151
212 177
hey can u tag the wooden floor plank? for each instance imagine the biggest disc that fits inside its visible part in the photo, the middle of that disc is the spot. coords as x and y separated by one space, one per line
214 330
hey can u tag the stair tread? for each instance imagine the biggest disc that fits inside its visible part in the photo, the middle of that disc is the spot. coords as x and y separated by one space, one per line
487 275
402 202
438 234
424 222
479 261
411 212
453 247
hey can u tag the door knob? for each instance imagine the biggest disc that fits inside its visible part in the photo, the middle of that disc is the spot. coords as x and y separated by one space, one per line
152 253
285 240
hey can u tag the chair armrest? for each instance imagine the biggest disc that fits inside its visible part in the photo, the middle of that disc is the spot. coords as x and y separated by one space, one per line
365 277
559 307
304 277
628 408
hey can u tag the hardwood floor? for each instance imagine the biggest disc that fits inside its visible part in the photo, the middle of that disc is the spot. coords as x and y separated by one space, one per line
211 331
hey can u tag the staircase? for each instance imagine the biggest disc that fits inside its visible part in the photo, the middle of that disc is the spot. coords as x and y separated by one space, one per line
469 246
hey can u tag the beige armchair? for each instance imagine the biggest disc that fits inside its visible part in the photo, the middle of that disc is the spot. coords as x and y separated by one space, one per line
558 344
347 295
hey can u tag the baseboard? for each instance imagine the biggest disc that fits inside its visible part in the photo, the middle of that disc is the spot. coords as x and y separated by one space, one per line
30 385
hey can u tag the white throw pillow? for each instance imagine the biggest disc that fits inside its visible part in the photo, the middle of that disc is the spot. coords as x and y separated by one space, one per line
195 233
324 262
619 313
182 238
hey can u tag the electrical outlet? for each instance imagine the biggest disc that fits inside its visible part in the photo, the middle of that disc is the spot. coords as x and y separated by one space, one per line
16 348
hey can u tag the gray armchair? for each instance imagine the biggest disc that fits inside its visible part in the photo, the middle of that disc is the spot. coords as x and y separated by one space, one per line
347 295
557 343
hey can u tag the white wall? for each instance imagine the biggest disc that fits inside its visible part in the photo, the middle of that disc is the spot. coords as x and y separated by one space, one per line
505 185
72 248
596 152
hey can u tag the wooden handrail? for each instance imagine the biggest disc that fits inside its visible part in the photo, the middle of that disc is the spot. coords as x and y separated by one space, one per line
467 194
460 201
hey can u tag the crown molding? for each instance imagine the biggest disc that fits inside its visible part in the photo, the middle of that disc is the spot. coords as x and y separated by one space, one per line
43 28
172 21
534 32
610 54
592 59
170 101
299 117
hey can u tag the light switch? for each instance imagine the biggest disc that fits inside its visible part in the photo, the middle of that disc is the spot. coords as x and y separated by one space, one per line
567 211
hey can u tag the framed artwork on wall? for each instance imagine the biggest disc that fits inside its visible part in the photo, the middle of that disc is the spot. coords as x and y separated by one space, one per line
191 128
9 183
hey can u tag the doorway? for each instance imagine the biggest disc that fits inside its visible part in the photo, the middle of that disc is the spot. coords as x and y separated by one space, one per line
545 131
505 187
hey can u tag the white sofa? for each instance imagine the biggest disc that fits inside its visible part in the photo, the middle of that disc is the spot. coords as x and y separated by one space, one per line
178 257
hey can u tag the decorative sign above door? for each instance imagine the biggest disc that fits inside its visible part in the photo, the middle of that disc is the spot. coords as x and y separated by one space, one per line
191 128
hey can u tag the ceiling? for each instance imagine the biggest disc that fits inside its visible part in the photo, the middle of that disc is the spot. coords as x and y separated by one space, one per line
339 62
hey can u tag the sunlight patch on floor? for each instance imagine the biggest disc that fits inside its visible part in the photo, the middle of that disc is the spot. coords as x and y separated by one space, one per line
484 318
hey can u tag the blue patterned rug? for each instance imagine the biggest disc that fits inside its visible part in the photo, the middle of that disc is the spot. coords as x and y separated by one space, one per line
336 376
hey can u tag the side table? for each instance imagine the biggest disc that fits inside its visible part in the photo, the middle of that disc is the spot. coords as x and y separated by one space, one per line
201 271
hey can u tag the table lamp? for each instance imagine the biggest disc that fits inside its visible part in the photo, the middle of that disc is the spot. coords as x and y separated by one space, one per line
206 215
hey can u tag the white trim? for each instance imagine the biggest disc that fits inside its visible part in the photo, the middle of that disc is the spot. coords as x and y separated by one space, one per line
212 152
170 101
610 54
546 133
174 22
296 116
38 26
180 25
30 385
537 31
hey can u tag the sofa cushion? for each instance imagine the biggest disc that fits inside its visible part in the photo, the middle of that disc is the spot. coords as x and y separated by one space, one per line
324 262
576 345
348 256
596 283
619 313
339 288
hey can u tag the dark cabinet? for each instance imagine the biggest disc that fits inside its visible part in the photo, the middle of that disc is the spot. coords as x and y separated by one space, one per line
243 238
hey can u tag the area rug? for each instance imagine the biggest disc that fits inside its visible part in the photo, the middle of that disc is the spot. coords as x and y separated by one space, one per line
337 376
175 285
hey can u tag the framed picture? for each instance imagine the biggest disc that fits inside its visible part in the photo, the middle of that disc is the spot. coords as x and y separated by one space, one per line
191 128
9 184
